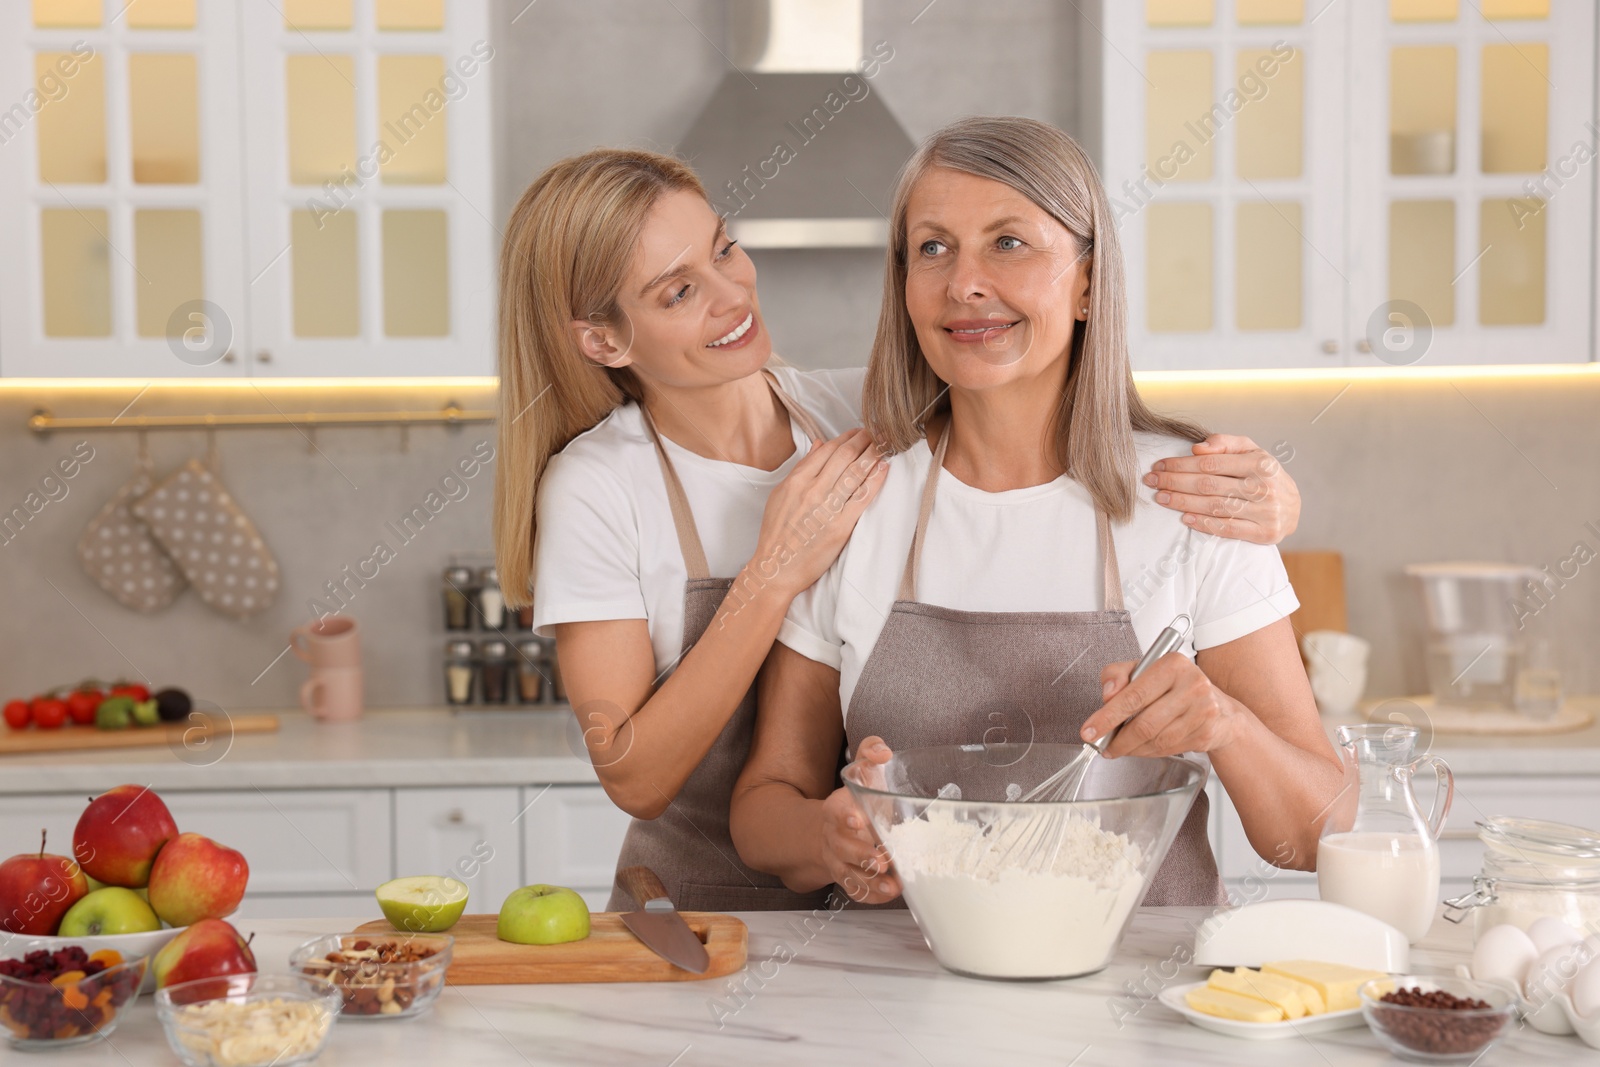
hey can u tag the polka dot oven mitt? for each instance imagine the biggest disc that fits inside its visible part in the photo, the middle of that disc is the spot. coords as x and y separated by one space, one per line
211 540
118 551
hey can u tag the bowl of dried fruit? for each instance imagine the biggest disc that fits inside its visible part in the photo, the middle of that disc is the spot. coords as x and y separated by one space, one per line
52 999
1437 1020
248 1020
379 977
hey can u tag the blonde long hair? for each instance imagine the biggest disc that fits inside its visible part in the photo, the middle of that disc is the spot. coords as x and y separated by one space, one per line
568 246
1100 407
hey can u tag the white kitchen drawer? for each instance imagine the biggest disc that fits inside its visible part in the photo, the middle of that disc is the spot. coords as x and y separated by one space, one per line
1565 800
571 835
298 841
467 834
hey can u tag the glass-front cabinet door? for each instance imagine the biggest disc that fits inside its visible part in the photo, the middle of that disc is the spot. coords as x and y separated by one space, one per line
371 246
1223 158
119 160
1472 190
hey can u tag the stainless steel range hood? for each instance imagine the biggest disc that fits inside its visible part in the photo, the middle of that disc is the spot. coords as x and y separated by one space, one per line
796 146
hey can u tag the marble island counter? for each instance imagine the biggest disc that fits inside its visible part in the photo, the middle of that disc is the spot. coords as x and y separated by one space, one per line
847 988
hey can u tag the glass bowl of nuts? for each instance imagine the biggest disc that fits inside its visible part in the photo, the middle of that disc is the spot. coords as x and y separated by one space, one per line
1437 1020
248 1020
53 999
379 977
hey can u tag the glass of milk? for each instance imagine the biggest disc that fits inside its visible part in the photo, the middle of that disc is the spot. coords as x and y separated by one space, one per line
1378 853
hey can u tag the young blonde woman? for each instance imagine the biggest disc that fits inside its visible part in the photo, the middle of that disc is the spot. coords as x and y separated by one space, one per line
664 490
985 579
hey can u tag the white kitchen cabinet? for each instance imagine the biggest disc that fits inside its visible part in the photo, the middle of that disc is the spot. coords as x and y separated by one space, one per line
571 836
298 841
1570 800
467 834
1332 185
246 189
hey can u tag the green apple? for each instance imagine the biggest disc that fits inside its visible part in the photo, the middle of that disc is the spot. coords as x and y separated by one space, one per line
112 910
424 904
543 915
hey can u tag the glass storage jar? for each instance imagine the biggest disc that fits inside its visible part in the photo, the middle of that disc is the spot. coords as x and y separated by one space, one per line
1533 868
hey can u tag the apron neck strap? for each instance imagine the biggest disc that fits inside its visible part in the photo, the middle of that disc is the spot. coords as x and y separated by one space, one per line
1111 576
694 553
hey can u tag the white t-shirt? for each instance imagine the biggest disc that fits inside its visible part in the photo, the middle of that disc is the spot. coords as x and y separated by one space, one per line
1032 549
606 547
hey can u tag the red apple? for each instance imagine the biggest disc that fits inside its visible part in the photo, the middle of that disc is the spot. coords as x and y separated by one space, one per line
119 834
210 948
36 891
195 878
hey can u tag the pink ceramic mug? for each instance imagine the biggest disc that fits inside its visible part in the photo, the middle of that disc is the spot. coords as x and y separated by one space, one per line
332 645
331 641
333 693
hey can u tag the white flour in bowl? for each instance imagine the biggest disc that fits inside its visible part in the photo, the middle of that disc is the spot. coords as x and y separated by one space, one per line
982 915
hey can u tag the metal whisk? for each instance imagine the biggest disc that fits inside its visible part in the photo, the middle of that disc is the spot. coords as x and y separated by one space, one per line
1044 828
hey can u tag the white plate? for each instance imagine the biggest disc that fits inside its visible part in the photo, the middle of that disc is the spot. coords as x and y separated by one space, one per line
1172 997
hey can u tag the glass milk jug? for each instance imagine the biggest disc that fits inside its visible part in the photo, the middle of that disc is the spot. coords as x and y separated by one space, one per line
1377 852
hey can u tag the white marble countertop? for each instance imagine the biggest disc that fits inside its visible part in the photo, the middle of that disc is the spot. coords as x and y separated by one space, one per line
435 747
399 747
861 989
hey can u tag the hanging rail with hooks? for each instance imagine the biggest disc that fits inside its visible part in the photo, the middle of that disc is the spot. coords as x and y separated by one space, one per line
43 422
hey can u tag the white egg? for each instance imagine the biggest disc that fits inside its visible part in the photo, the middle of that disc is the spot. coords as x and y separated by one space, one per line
1586 990
1550 932
1503 953
1552 973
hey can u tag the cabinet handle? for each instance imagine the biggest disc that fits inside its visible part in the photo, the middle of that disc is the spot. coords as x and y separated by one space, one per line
1364 346
456 816
263 356
229 357
1330 348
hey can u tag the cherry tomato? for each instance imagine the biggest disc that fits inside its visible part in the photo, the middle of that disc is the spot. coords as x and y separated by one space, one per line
50 714
131 689
18 714
82 704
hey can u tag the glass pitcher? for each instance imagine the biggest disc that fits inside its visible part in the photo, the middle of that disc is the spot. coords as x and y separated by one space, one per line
1377 852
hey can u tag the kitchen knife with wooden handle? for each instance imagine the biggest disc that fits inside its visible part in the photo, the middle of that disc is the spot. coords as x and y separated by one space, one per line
658 924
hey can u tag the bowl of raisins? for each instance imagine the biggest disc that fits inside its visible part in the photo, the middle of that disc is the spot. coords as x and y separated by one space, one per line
52 999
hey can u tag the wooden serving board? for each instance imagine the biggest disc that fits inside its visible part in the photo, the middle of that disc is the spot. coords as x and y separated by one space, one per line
609 954
82 738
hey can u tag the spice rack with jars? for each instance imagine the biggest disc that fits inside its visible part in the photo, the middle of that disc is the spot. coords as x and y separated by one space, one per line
492 658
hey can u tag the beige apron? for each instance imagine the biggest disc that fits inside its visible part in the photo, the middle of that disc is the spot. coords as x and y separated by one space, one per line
689 845
938 676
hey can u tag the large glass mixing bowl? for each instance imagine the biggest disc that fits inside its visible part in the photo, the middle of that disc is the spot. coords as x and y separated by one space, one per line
1006 888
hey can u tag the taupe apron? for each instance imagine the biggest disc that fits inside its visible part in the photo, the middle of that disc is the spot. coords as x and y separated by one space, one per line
689 845
938 676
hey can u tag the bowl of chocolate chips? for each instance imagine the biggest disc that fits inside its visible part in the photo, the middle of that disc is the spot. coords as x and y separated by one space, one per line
1437 1020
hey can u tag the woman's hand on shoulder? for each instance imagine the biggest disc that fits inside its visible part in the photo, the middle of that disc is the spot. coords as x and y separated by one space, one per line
1230 487
856 861
1170 709
810 515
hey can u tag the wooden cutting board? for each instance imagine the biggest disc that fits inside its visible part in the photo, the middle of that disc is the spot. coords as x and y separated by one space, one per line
609 954
1318 582
84 738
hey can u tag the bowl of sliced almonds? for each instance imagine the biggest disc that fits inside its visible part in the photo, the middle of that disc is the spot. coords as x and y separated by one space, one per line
248 1020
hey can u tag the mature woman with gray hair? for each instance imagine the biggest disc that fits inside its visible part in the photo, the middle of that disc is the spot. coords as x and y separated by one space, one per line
982 589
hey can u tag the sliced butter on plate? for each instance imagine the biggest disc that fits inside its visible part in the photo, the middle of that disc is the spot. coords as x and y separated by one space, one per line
1283 999
1338 984
1293 997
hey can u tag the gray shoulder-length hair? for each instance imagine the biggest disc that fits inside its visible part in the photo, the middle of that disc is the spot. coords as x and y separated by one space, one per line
1100 406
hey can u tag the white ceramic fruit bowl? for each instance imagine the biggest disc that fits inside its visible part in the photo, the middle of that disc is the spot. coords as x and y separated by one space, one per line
130 945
